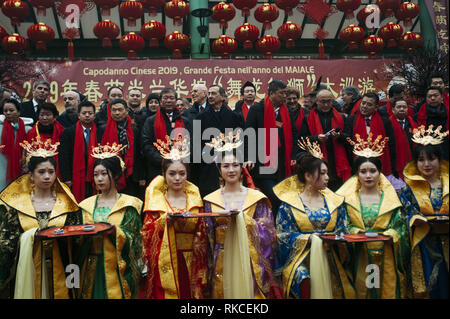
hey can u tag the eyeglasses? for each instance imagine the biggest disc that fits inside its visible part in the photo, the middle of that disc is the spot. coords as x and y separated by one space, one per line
325 101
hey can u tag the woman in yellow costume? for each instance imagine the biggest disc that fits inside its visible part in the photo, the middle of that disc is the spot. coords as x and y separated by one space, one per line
30 268
174 247
373 207
241 247
425 198
110 261
308 209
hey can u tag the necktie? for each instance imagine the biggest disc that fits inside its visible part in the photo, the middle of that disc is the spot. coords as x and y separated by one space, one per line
367 121
404 124
87 136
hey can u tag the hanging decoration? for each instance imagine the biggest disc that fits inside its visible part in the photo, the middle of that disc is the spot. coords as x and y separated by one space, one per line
177 10
14 44
247 34
41 34
153 31
245 6
410 41
348 6
224 46
132 43
406 12
268 45
131 10
388 7
266 14
153 6
42 6
70 34
372 45
352 35
106 6
391 34
16 10
287 5
223 12
289 32
106 31
177 42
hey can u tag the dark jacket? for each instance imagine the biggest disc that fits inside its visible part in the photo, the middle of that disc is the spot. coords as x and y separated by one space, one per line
67 120
27 110
238 107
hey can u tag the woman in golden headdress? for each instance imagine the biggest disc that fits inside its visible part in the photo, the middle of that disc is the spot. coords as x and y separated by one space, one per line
30 268
174 247
110 263
308 210
242 246
373 207
425 198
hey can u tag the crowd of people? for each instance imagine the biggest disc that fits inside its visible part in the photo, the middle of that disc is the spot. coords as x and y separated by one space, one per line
288 212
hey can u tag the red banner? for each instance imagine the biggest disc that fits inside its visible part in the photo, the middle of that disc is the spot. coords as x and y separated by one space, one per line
92 78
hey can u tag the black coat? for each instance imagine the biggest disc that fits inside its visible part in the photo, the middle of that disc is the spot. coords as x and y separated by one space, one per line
67 120
27 110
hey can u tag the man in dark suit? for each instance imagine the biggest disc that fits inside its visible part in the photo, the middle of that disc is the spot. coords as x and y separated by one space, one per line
248 93
41 90
199 98
69 117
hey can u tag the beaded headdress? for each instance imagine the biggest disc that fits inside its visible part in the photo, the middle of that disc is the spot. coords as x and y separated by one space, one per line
428 136
108 151
174 150
226 143
39 148
370 147
312 148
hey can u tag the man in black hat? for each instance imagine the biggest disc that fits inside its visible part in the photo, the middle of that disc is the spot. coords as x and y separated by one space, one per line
248 93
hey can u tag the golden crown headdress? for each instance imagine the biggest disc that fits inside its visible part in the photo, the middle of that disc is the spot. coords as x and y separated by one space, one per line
108 151
226 143
370 147
39 148
428 136
312 148
174 150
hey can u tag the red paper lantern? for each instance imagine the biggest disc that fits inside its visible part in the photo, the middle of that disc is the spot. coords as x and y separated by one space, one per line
388 6
177 42
176 9
372 45
247 34
348 6
223 12
3 33
268 45
41 34
153 31
391 33
410 41
287 5
15 44
131 10
289 32
352 35
132 43
106 30
70 34
16 10
266 14
152 6
364 13
106 6
42 5
224 46
245 6
406 12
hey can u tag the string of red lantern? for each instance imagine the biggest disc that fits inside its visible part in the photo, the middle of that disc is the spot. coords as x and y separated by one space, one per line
42 6
247 34
245 6
177 42
106 6
266 14
16 10
289 32
14 44
152 6
41 34
106 31
224 46
352 35
268 45
131 43
223 12
287 5
153 31
348 6
177 10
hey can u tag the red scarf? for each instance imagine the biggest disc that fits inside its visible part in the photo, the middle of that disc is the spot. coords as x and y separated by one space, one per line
159 126
402 149
376 128
343 169
422 115
245 110
355 107
270 122
79 177
12 151
110 136
445 95
299 120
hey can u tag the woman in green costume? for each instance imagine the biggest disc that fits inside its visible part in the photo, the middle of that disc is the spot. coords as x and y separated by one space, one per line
373 207
110 261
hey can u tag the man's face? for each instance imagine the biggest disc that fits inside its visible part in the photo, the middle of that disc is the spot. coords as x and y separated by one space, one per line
199 93
368 106
6 95
214 97
115 94
324 101
347 98
400 110
41 92
308 102
118 112
397 96
292 101
434 98
46 117
86 116
168 101
438 82
134 98
249 94
278 97
71 100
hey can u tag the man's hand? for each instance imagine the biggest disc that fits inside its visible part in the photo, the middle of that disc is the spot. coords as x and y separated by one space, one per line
335 134
322 138
249 165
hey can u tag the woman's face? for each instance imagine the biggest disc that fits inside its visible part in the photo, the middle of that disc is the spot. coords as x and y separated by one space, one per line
319 180
46 117
176 176
153 105
44 175
428 167
11 112
368 175
230 169
102 178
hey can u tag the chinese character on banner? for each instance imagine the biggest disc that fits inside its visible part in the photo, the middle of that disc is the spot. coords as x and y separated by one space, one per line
442 34
296 84
441 20
92 92
218 81
311 78
156 87
257 83
112 82
198 81
68 86
179 87
234 88
438 7
329 86
444 47
347 81
365 85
